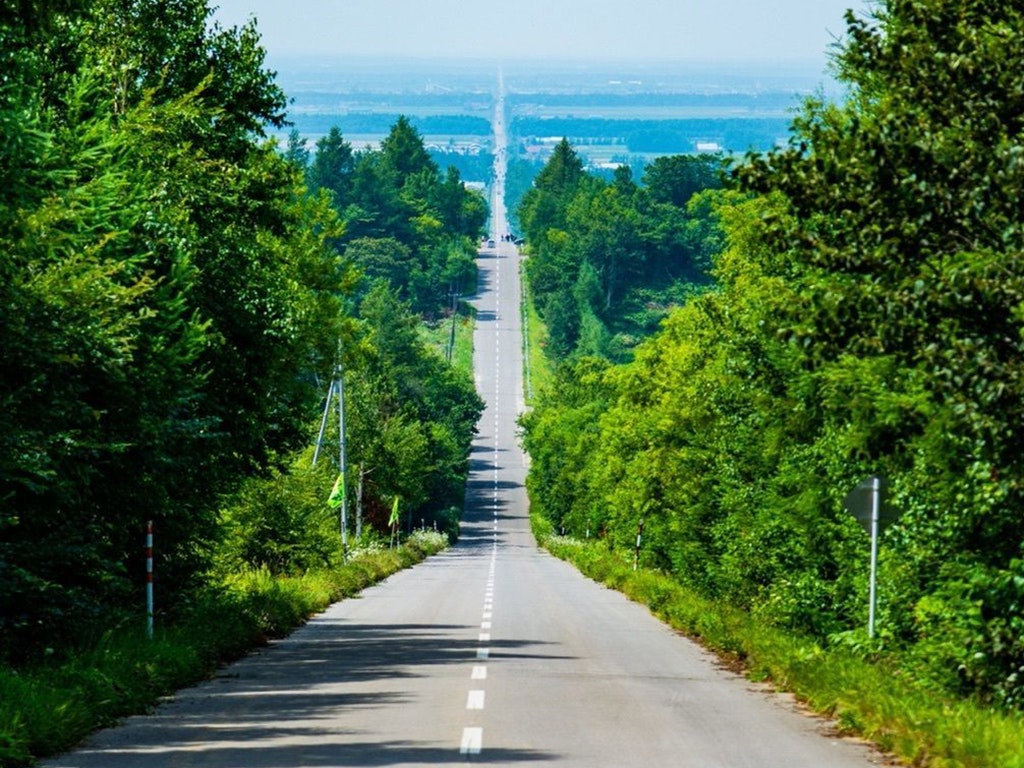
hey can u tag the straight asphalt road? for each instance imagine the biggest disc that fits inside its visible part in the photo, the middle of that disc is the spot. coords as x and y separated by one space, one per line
491 652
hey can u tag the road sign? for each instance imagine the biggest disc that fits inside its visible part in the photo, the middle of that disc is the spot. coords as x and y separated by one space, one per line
860 503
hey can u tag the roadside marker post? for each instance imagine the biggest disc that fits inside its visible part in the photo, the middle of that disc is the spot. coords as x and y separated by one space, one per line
149 579
639 536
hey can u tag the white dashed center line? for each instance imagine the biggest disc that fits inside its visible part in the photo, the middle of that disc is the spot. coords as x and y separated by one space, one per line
472 741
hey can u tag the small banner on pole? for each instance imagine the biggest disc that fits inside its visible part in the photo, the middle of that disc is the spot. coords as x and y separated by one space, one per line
337 492
393 520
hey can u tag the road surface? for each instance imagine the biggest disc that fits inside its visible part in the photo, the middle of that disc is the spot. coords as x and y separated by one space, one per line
491 652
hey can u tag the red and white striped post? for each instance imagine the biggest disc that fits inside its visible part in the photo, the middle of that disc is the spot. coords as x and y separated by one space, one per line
149 579
639 536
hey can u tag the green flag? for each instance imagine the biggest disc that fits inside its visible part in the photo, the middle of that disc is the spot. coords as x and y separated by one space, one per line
393 520
338 492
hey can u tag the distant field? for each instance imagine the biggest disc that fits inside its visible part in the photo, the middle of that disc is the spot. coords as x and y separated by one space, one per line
612 114
655 104
379 123
365 107
642 136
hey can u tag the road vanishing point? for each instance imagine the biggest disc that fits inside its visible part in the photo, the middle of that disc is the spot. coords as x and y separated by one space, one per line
491 652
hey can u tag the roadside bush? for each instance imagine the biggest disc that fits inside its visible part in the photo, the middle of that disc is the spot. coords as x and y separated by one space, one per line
448 522
281 522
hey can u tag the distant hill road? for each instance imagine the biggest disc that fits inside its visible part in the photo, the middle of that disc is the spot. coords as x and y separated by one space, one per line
491 652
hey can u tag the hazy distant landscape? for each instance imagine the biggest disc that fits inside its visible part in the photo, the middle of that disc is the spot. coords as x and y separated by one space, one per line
613 112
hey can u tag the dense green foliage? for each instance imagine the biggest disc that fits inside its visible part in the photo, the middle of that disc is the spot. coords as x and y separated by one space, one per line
162 276
173 300
519 176
405 221
473 167
608 259
868 318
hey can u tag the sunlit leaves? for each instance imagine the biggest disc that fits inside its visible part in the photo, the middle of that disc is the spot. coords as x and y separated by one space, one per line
867 320
167 294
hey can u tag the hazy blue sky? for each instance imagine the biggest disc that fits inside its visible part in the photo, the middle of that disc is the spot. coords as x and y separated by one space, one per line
590 29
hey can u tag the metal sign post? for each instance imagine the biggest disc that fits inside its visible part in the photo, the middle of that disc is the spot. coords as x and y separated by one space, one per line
876 494
867 503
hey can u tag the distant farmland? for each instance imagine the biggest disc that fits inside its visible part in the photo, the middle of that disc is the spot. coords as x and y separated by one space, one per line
644 124
640 136
379 123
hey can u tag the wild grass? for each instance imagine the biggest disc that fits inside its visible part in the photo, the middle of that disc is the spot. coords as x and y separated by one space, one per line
48 708
462 358
536 366
864 697
438 336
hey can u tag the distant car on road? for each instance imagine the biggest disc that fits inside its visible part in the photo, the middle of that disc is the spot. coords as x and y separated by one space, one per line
490 243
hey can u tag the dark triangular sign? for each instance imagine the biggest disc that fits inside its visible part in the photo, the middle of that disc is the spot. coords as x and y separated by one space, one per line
860 502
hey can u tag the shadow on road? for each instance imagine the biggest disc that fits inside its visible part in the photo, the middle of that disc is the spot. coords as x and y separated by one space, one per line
258 754
280 708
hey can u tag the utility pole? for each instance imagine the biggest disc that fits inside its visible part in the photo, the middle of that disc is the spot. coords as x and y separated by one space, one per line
340 376
450 351
337 387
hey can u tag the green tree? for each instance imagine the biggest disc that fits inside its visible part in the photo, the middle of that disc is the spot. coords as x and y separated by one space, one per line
383 258
903 235
675 179
461 210
560 434
377 210
543 206
606 229
416 415
157 258
296 151
332 167
404 154
907 255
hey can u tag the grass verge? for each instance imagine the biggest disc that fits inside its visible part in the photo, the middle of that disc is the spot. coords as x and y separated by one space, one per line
863 698
49 708
536 366
438 336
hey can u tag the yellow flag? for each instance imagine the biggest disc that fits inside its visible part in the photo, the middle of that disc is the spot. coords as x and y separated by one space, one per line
338 492
393 521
